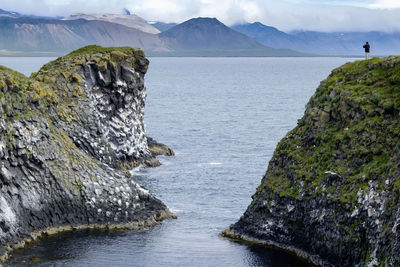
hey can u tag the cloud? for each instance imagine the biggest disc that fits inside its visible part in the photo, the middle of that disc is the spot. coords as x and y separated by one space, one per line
229 11
318 15
232 11
386 4
63 7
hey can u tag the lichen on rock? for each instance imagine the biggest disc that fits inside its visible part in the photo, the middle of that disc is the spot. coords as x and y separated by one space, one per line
107 86
65 133
332 188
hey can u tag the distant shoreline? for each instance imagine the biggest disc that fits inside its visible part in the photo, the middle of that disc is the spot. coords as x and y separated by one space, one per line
51 54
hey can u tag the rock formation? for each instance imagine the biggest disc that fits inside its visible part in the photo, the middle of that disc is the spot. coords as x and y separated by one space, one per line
332 189
69 134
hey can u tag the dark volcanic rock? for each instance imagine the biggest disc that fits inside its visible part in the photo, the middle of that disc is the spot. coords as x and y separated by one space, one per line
65 133
157 149
332 189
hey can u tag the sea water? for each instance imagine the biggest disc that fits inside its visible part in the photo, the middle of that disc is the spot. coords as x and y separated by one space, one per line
223 117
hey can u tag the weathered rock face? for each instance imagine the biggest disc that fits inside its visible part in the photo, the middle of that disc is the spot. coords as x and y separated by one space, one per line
332 188
108 122
65 133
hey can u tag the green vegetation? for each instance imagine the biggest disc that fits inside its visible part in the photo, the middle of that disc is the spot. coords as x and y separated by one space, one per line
95 49
71 64
351 128
56 93
340 167
6 72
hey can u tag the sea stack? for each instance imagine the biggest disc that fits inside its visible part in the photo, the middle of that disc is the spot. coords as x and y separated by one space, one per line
332 189
69 135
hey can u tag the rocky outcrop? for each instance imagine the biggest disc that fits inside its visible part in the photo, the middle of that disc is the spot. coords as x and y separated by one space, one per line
158 149
332 189
68 136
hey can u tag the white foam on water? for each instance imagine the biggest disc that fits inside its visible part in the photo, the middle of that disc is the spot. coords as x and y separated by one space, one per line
215 163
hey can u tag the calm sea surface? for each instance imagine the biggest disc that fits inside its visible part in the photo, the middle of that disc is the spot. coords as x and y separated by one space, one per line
223 117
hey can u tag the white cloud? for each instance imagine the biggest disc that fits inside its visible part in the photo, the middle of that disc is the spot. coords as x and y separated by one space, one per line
63 7
230 11
386 4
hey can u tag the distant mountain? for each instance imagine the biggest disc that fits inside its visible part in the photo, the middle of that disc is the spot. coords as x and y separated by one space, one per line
129 20
336 43
267 35
12 14
206 33
208 36
29 34
126 11
5 13
162 27
196 37
348 43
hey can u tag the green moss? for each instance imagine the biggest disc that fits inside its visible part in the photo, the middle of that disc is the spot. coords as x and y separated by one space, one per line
358 142
72 62
75 77
6 72
56 93
95 49
79 184
395 76
58 84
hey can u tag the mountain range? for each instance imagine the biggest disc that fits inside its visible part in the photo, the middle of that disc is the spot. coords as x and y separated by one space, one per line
60 36
129 20
33 35
210 37
323 43
196 37
162 26
5 13
12 14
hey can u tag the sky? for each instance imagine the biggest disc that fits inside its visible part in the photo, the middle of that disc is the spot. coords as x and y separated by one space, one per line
286 15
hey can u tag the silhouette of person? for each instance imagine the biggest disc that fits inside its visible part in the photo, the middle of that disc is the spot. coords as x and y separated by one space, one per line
366 48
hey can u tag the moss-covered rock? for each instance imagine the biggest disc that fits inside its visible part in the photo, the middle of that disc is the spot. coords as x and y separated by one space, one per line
332 188
65 133
157 149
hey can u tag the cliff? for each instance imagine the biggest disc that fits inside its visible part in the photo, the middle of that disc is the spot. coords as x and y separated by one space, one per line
69 133
331 191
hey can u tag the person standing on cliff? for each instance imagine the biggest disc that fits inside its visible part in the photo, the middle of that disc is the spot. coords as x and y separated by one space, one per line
366 48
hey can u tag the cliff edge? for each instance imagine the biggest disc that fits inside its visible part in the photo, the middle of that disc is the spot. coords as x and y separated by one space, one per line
332 188
69 135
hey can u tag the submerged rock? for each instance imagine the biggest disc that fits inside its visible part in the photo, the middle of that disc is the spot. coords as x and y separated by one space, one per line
158 149
67 133
332 189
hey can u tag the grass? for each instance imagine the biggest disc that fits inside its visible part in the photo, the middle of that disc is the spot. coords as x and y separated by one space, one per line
95 49
359 142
